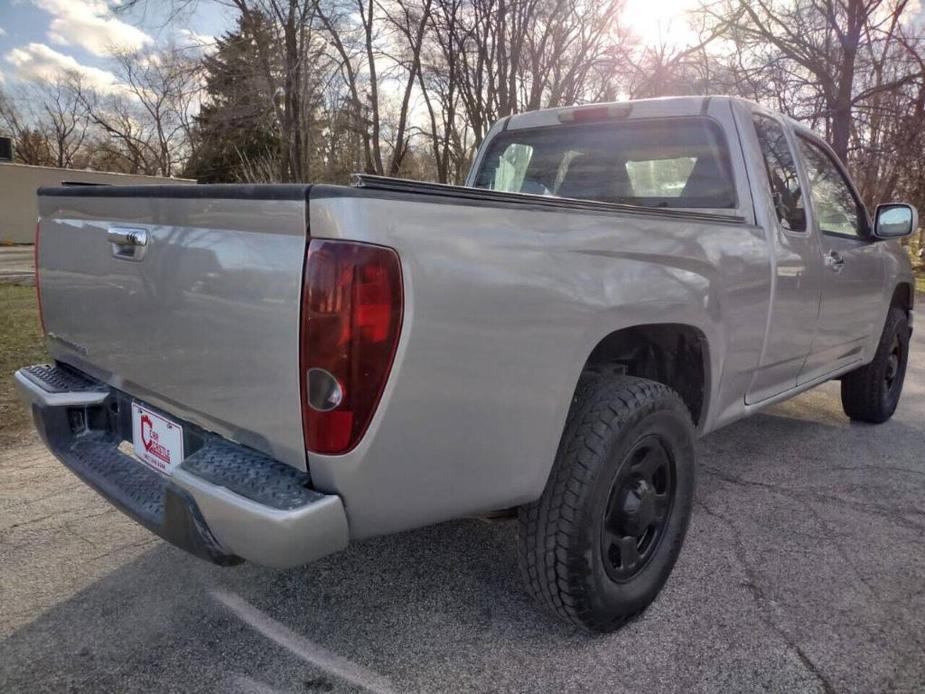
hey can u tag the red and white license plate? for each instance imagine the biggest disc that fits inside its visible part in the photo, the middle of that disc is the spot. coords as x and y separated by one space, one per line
157 441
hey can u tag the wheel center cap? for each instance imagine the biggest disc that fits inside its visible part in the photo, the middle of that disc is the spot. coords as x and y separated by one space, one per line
637 507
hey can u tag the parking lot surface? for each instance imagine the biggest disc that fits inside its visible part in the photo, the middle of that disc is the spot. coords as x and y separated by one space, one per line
804 570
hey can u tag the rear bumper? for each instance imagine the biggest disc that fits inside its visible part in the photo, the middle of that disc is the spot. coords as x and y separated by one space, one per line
225 503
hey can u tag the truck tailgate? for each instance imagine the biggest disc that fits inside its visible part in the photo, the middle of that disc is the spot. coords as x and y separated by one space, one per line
202 320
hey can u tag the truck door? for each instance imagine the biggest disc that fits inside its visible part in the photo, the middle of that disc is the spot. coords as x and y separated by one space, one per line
794 300
853 270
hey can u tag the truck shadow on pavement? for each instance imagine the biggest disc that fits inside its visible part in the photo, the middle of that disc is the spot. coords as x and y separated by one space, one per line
803 570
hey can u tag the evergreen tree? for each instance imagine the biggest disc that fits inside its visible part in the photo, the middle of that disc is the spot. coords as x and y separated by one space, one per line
236 128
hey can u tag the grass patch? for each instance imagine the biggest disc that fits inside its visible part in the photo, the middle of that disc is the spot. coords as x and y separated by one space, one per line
920 283
21 344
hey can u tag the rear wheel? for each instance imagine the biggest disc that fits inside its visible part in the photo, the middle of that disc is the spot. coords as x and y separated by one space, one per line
871 393
600 542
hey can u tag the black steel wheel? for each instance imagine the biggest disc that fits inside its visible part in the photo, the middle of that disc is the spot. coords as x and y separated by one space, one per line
871 393
894 360
638 509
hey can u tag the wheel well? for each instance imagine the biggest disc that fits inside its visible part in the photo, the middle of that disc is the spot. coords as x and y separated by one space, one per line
903 296
670 353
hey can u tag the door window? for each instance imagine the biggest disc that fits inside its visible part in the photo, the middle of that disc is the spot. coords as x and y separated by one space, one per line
782 173
836 208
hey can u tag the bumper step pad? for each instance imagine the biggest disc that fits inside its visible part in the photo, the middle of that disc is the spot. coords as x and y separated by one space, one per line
60 379
252 475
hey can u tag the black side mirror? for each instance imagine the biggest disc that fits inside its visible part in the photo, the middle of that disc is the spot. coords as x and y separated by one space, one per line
895 219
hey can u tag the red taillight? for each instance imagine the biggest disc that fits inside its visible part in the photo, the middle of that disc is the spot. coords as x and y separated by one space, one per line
351 318
38 288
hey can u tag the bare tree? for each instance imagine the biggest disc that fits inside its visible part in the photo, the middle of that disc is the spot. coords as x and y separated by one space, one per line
66 121
149 118
29 144
487 59
411 21
50 126
821 46
352 29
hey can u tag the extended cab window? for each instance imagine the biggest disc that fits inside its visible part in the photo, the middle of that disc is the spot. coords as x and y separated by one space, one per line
782 173
837 210
667 162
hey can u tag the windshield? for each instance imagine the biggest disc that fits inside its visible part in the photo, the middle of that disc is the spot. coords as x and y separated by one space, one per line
665 162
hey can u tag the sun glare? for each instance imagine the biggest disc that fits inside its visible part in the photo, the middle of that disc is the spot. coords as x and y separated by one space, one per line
658 22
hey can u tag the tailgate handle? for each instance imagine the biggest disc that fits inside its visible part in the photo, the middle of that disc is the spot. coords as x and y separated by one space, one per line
128 237
128 244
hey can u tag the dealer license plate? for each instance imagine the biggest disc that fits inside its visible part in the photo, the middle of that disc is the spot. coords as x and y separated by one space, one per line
157 441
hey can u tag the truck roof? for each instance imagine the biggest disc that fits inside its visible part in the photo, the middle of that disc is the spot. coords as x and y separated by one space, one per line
638 108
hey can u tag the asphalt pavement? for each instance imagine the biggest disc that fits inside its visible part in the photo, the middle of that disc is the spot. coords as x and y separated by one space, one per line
803 571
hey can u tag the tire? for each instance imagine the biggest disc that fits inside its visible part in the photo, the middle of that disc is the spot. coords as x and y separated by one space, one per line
871 393
579 564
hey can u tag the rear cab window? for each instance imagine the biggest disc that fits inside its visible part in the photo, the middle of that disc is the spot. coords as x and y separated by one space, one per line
658 162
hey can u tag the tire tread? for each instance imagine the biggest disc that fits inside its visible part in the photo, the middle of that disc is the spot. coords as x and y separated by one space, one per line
605 401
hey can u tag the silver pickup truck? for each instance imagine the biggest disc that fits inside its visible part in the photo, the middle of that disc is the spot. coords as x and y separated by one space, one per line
266 373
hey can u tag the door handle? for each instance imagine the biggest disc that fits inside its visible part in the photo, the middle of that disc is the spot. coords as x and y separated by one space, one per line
834 261
128 244
128 237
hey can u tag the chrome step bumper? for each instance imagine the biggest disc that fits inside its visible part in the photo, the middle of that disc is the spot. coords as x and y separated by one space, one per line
224 503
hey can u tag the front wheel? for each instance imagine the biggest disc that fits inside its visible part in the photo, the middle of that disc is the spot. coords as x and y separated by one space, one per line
871 393
600 542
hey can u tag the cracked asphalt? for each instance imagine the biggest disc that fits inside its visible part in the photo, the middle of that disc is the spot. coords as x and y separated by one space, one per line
803 571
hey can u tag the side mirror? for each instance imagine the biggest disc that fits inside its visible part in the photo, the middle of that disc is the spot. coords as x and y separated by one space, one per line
895 219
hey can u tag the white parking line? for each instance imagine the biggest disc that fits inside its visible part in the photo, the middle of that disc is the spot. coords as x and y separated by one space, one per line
298 645
248 685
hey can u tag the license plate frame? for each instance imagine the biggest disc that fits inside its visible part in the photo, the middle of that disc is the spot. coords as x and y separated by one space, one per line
157 441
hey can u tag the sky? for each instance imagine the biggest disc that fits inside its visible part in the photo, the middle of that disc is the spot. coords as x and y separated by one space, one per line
659 22
39 38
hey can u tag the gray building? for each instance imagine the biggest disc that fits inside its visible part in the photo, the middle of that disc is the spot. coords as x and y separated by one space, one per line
18 183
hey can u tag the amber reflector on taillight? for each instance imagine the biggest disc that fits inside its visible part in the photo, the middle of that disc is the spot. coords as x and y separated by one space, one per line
351 318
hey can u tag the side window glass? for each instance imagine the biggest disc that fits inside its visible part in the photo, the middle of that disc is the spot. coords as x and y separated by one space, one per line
835 206
782 173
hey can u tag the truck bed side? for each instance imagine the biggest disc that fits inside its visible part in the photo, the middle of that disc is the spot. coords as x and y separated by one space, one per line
504 303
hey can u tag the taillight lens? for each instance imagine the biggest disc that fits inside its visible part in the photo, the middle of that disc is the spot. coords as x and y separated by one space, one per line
351 319
38 288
